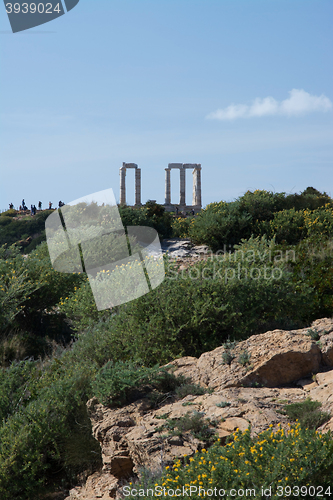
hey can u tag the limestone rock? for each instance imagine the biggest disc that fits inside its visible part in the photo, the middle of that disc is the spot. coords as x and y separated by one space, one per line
276 358
280 371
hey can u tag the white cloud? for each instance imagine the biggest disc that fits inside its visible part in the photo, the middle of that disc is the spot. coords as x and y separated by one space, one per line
299 102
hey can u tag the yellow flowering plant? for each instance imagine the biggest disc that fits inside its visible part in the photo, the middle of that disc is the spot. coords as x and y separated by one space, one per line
276 459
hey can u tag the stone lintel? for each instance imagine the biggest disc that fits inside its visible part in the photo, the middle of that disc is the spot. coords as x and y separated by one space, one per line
129 165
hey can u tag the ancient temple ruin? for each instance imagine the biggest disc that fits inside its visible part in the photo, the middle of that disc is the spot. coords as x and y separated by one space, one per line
122 173
181 206
196 200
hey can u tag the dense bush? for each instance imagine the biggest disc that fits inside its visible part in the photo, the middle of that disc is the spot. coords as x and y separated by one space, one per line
195 310
151 214
313 269
284 463
193 423
289 218
115 381
12 231
221 224
181 226
118 383
45 427
292 226
29 292
307 413
9 213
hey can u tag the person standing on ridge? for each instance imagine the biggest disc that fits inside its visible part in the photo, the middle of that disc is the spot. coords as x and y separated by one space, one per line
39 205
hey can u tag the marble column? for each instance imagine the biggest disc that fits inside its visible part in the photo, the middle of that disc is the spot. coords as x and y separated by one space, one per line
122 172
167 186
182 172
138 186
197 186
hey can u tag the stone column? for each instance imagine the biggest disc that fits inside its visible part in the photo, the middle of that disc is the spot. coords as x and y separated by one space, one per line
197 186
122 172
167 186
138 186
182 171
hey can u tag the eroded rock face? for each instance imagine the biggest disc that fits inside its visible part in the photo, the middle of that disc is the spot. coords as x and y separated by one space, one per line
131 437
276 358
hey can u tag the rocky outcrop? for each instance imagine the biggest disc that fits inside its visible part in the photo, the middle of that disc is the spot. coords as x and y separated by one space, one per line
281 367
178 248
275 358
25 243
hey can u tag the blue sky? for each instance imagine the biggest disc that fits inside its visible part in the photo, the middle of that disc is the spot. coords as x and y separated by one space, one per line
155 82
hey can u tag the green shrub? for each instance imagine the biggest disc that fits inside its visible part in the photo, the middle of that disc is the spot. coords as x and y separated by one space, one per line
244 358
165 381
151 214
188 388
219 225
290 218
15 230
193 423
181 226
229 344
313 334
29 292
227 357
313 269
42 424
287 226
116 380
287 462
310 199
9 213
156 328
4 221
223 404
319 222
307 413
15 387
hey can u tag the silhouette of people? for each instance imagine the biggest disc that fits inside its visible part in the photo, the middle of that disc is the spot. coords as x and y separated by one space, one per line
177 210
11 206
61 204
23 205
50 205
192 211
39 205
